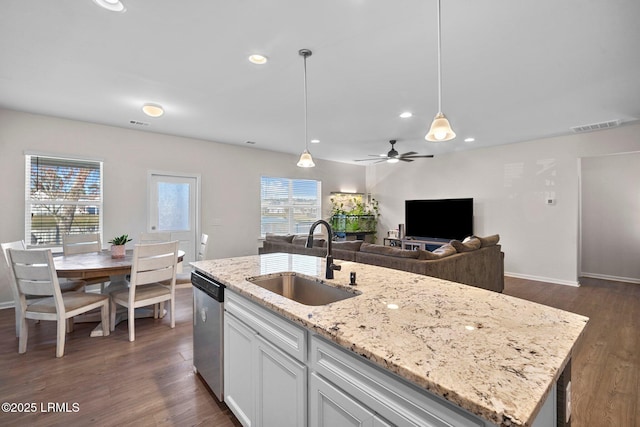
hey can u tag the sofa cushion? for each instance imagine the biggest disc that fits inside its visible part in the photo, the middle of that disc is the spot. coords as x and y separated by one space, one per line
469 244
278 237
441 252
489 240
348 245
388 250
302 240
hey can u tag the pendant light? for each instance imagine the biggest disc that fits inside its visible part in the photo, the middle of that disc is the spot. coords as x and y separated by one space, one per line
306 161
440 128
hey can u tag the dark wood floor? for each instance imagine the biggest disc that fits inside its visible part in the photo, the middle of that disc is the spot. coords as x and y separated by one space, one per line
150 382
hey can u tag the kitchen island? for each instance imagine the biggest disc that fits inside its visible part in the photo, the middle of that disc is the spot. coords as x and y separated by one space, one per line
495 356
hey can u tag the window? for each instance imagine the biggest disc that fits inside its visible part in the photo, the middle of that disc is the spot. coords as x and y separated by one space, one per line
62 196
289 206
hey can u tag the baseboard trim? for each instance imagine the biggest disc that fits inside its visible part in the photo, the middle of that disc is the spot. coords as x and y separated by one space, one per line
6 304
543 279
612 278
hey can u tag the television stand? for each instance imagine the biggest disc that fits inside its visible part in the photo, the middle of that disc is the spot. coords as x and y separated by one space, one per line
414 244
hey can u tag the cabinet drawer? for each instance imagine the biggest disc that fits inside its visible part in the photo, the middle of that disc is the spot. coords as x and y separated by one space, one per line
282 333
396 400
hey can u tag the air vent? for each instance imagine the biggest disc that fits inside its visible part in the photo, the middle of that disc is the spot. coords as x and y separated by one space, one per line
137 123
596 126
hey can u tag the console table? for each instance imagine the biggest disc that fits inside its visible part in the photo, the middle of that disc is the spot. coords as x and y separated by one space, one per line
413 244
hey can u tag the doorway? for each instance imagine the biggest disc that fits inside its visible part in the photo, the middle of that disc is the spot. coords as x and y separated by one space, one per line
173 206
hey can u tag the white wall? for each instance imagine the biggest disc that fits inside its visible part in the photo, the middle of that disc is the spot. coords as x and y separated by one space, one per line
610 188
509 184
230 177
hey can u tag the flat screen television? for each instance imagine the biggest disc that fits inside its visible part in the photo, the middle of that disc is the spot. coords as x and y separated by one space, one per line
444 219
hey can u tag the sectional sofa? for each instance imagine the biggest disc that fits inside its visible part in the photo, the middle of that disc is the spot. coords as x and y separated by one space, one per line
475 261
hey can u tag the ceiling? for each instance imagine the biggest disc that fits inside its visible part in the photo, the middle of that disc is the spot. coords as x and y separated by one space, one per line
511 71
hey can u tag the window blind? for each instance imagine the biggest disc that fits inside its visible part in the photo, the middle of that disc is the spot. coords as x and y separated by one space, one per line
289 206
61 196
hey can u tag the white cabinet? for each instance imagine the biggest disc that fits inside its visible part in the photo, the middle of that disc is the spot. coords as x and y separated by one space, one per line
281 385
239 385
331 407
265 385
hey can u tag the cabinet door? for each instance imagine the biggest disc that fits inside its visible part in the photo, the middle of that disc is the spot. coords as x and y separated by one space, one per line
281 388
331 407
239 392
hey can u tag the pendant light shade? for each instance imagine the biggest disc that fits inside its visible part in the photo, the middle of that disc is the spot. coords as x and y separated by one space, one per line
440 128
306 161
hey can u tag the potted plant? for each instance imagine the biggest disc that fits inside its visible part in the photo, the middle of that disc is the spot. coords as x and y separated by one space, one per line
117 246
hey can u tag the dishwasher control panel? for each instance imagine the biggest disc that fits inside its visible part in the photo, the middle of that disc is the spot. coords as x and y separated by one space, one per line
208 285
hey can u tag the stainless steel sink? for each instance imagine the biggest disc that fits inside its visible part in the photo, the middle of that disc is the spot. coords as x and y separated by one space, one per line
301 289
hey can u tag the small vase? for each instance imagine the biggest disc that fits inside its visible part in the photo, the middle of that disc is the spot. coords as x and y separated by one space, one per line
118 251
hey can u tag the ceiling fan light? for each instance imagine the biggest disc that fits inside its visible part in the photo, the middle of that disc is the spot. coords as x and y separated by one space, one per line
392 160
112 5
306 161
440 130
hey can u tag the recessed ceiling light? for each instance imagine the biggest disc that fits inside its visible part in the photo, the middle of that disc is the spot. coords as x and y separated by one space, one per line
257 59
153 110
315 141
112 5
469 139
406 115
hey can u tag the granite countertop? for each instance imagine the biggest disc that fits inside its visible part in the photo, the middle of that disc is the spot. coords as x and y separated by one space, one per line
496 356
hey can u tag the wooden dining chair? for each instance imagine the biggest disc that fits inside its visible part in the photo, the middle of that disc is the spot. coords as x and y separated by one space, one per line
73 244
183 279
66 285
35 274
152 263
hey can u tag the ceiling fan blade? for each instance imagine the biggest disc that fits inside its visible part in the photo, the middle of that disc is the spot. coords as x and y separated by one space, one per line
405 159
363 160
422 156
410 153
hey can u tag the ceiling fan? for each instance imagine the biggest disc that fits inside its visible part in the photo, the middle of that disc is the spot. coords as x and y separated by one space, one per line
393 156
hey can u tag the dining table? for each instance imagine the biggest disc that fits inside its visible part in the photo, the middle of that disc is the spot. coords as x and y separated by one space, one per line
101 264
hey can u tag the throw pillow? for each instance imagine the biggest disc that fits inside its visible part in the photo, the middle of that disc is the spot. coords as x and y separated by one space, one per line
348 245
278 237
442 252
489 240
388 250
470 244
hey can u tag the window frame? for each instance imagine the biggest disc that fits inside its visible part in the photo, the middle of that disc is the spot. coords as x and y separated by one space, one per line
30 202
291 205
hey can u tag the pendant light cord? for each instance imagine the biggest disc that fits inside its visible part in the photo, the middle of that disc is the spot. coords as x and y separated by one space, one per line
306 139
439 65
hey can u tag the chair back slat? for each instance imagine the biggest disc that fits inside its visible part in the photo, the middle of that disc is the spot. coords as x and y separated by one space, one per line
155 262
81 243
152 276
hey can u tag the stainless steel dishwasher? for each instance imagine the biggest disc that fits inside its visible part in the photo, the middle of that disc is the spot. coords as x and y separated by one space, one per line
208 312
